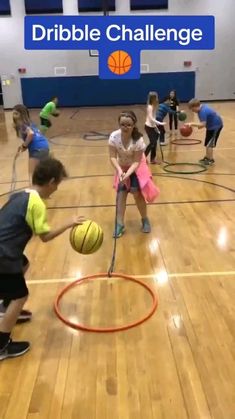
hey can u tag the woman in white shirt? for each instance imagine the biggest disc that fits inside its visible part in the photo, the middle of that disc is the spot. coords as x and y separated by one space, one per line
151 126
126 150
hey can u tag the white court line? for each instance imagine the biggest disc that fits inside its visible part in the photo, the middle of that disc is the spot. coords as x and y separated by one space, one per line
147 276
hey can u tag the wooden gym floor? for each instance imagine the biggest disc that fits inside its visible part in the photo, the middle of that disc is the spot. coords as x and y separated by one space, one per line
181 362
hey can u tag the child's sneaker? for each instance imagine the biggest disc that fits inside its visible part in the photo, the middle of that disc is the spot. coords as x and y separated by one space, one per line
24 316
146 227
119 231
204 160
209 162
14 349
155 161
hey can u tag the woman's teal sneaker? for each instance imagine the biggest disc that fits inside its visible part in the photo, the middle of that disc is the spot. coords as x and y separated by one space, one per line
146 227
119 231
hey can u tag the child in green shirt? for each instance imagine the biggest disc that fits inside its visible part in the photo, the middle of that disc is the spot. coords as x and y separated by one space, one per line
48 110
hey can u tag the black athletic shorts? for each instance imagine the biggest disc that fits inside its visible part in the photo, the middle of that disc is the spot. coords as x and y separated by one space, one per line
212 136
13 285
45 122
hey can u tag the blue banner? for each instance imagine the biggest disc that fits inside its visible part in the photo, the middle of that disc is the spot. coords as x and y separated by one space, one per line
119 39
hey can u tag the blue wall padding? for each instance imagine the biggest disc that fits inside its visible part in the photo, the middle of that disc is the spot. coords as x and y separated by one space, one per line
92 91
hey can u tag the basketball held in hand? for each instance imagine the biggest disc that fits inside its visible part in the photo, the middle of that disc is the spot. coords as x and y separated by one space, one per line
182 116
87 237
186 130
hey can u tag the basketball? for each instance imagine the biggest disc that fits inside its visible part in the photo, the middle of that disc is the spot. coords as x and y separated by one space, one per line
182 116
119 62
186 130
86 238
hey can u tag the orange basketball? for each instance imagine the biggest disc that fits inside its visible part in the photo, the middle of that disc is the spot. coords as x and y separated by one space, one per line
119 62
186 130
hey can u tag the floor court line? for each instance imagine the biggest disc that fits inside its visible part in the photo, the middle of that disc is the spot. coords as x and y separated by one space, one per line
167 150
157 174
106 154
147 276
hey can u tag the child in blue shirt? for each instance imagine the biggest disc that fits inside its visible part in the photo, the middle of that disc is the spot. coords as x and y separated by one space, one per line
33 140
213 123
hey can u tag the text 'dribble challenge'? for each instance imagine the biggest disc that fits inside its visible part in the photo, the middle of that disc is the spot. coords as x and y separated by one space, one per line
109 33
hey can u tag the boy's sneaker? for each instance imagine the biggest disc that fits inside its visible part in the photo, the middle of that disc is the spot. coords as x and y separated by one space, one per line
209 162
14 349
204 160
24 316
146 227
163 143
119 231
155 161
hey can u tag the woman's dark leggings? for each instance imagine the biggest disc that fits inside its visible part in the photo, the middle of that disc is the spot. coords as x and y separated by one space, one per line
162 133
152 146
173 116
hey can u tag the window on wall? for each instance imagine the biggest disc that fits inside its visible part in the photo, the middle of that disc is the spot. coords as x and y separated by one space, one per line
96 5
5 7
43 6
148 4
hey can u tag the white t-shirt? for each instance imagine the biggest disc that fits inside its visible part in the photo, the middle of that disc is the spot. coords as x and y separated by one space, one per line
150 114
125 155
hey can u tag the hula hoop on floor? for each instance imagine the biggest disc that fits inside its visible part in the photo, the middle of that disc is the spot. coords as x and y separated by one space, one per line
189 141
201 168
85 328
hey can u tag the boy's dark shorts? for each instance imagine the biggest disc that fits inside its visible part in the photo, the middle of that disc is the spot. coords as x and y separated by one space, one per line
13 285
212 136
45 122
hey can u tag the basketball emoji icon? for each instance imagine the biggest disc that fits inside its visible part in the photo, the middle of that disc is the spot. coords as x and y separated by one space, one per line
119 62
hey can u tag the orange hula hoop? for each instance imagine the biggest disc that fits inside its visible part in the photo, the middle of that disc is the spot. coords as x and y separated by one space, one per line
85 328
